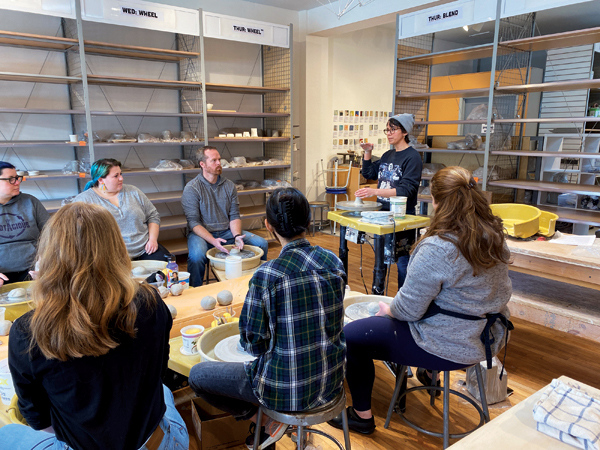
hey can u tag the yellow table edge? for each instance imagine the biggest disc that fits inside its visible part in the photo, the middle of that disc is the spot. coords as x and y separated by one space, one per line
408 223
178 362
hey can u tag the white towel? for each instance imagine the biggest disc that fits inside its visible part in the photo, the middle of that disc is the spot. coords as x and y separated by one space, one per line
568 413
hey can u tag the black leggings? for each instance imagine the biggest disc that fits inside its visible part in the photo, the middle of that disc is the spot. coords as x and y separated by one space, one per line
158 255
384 339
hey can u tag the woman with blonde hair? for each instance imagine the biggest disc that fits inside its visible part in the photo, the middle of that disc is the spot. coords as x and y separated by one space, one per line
454 298
87 362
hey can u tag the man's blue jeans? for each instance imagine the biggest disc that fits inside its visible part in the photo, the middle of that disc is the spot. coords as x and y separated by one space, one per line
21 437
197 248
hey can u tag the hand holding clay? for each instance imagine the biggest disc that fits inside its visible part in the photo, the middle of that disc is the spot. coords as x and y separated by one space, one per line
239 241
365 192
384 310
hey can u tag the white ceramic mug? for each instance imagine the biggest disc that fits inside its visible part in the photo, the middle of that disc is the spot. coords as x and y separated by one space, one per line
253 132
246 134
73 138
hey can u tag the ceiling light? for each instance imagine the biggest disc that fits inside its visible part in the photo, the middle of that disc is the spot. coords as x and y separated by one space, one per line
466 28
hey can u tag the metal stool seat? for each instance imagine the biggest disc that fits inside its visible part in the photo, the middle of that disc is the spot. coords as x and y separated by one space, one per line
484 414
304 419
313 210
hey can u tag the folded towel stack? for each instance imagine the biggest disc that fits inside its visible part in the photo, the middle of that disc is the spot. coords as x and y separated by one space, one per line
378 217
569 413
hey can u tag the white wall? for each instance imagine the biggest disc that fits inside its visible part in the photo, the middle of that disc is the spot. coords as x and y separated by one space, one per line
352 71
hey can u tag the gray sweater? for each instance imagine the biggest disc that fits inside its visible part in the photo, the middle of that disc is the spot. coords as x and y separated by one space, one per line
21 222
438 272
213 206
133 215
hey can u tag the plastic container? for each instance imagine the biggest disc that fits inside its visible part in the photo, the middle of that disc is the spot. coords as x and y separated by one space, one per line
172 271
190 336
184 279
233 267
7 389
398 207
520 221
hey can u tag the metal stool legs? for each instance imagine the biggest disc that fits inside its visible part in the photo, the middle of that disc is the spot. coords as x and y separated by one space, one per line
301 422
483 411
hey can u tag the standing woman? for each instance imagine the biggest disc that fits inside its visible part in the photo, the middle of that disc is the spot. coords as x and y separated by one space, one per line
398 173
87 362
136 216
22 218
457 284
291 322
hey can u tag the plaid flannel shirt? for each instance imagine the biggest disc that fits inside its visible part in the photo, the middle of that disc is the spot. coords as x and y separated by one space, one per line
292 321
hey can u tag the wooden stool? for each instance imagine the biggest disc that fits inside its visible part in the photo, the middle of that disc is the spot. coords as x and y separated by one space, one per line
302 419
484 414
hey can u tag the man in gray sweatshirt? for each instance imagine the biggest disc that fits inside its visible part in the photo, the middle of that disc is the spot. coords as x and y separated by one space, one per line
211 207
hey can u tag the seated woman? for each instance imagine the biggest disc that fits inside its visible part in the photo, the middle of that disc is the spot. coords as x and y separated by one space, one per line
22 218
291 321
136 216
87 362
457 274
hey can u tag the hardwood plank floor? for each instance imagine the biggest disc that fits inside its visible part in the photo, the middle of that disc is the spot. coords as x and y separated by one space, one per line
535 356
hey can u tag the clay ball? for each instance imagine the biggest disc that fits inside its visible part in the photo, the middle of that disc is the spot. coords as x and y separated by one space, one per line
139 271
17 293
234 251
373 308
208 302
5 327
224 298
176 289
173 311
163 291
358 201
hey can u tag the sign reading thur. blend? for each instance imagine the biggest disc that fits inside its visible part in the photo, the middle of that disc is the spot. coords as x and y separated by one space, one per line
443 16
249 30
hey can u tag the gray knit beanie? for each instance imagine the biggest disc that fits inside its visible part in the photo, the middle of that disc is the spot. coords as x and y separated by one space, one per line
406 120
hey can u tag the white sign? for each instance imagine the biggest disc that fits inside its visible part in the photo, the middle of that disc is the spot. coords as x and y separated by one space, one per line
484 128
445 15
125 11
251 30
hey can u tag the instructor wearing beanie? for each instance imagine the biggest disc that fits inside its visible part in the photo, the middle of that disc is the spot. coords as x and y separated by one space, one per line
398 173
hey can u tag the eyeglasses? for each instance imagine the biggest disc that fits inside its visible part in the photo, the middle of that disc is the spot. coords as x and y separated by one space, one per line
390 130
13 180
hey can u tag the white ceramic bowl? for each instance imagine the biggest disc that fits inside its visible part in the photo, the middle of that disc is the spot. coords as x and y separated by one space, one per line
34 173
209 106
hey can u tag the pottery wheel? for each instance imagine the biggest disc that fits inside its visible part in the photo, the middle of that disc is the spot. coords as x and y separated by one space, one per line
358 311
244 254
228 351
353 206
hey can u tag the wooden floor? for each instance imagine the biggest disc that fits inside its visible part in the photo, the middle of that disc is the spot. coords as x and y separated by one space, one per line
535 356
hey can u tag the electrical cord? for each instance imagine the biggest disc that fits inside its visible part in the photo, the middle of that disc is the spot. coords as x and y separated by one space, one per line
361 271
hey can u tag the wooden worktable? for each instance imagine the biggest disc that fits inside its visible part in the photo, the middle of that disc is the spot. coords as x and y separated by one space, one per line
556 262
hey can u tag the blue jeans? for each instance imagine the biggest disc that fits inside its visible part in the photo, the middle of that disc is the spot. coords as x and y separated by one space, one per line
197 248
21 437
225 386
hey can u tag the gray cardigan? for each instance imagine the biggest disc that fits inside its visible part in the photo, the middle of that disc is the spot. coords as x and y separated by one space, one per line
438 271
213 206
133 215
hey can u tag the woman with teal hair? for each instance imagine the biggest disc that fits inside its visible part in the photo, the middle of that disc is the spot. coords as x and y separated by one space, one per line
136 216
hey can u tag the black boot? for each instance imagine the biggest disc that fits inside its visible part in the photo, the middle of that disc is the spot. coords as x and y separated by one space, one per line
426 380
355 423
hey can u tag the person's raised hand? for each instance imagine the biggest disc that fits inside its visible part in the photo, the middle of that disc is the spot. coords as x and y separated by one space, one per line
239 241
367 147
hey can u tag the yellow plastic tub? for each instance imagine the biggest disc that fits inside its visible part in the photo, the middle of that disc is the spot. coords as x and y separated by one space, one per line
520 221
14 414
547 223
16 310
